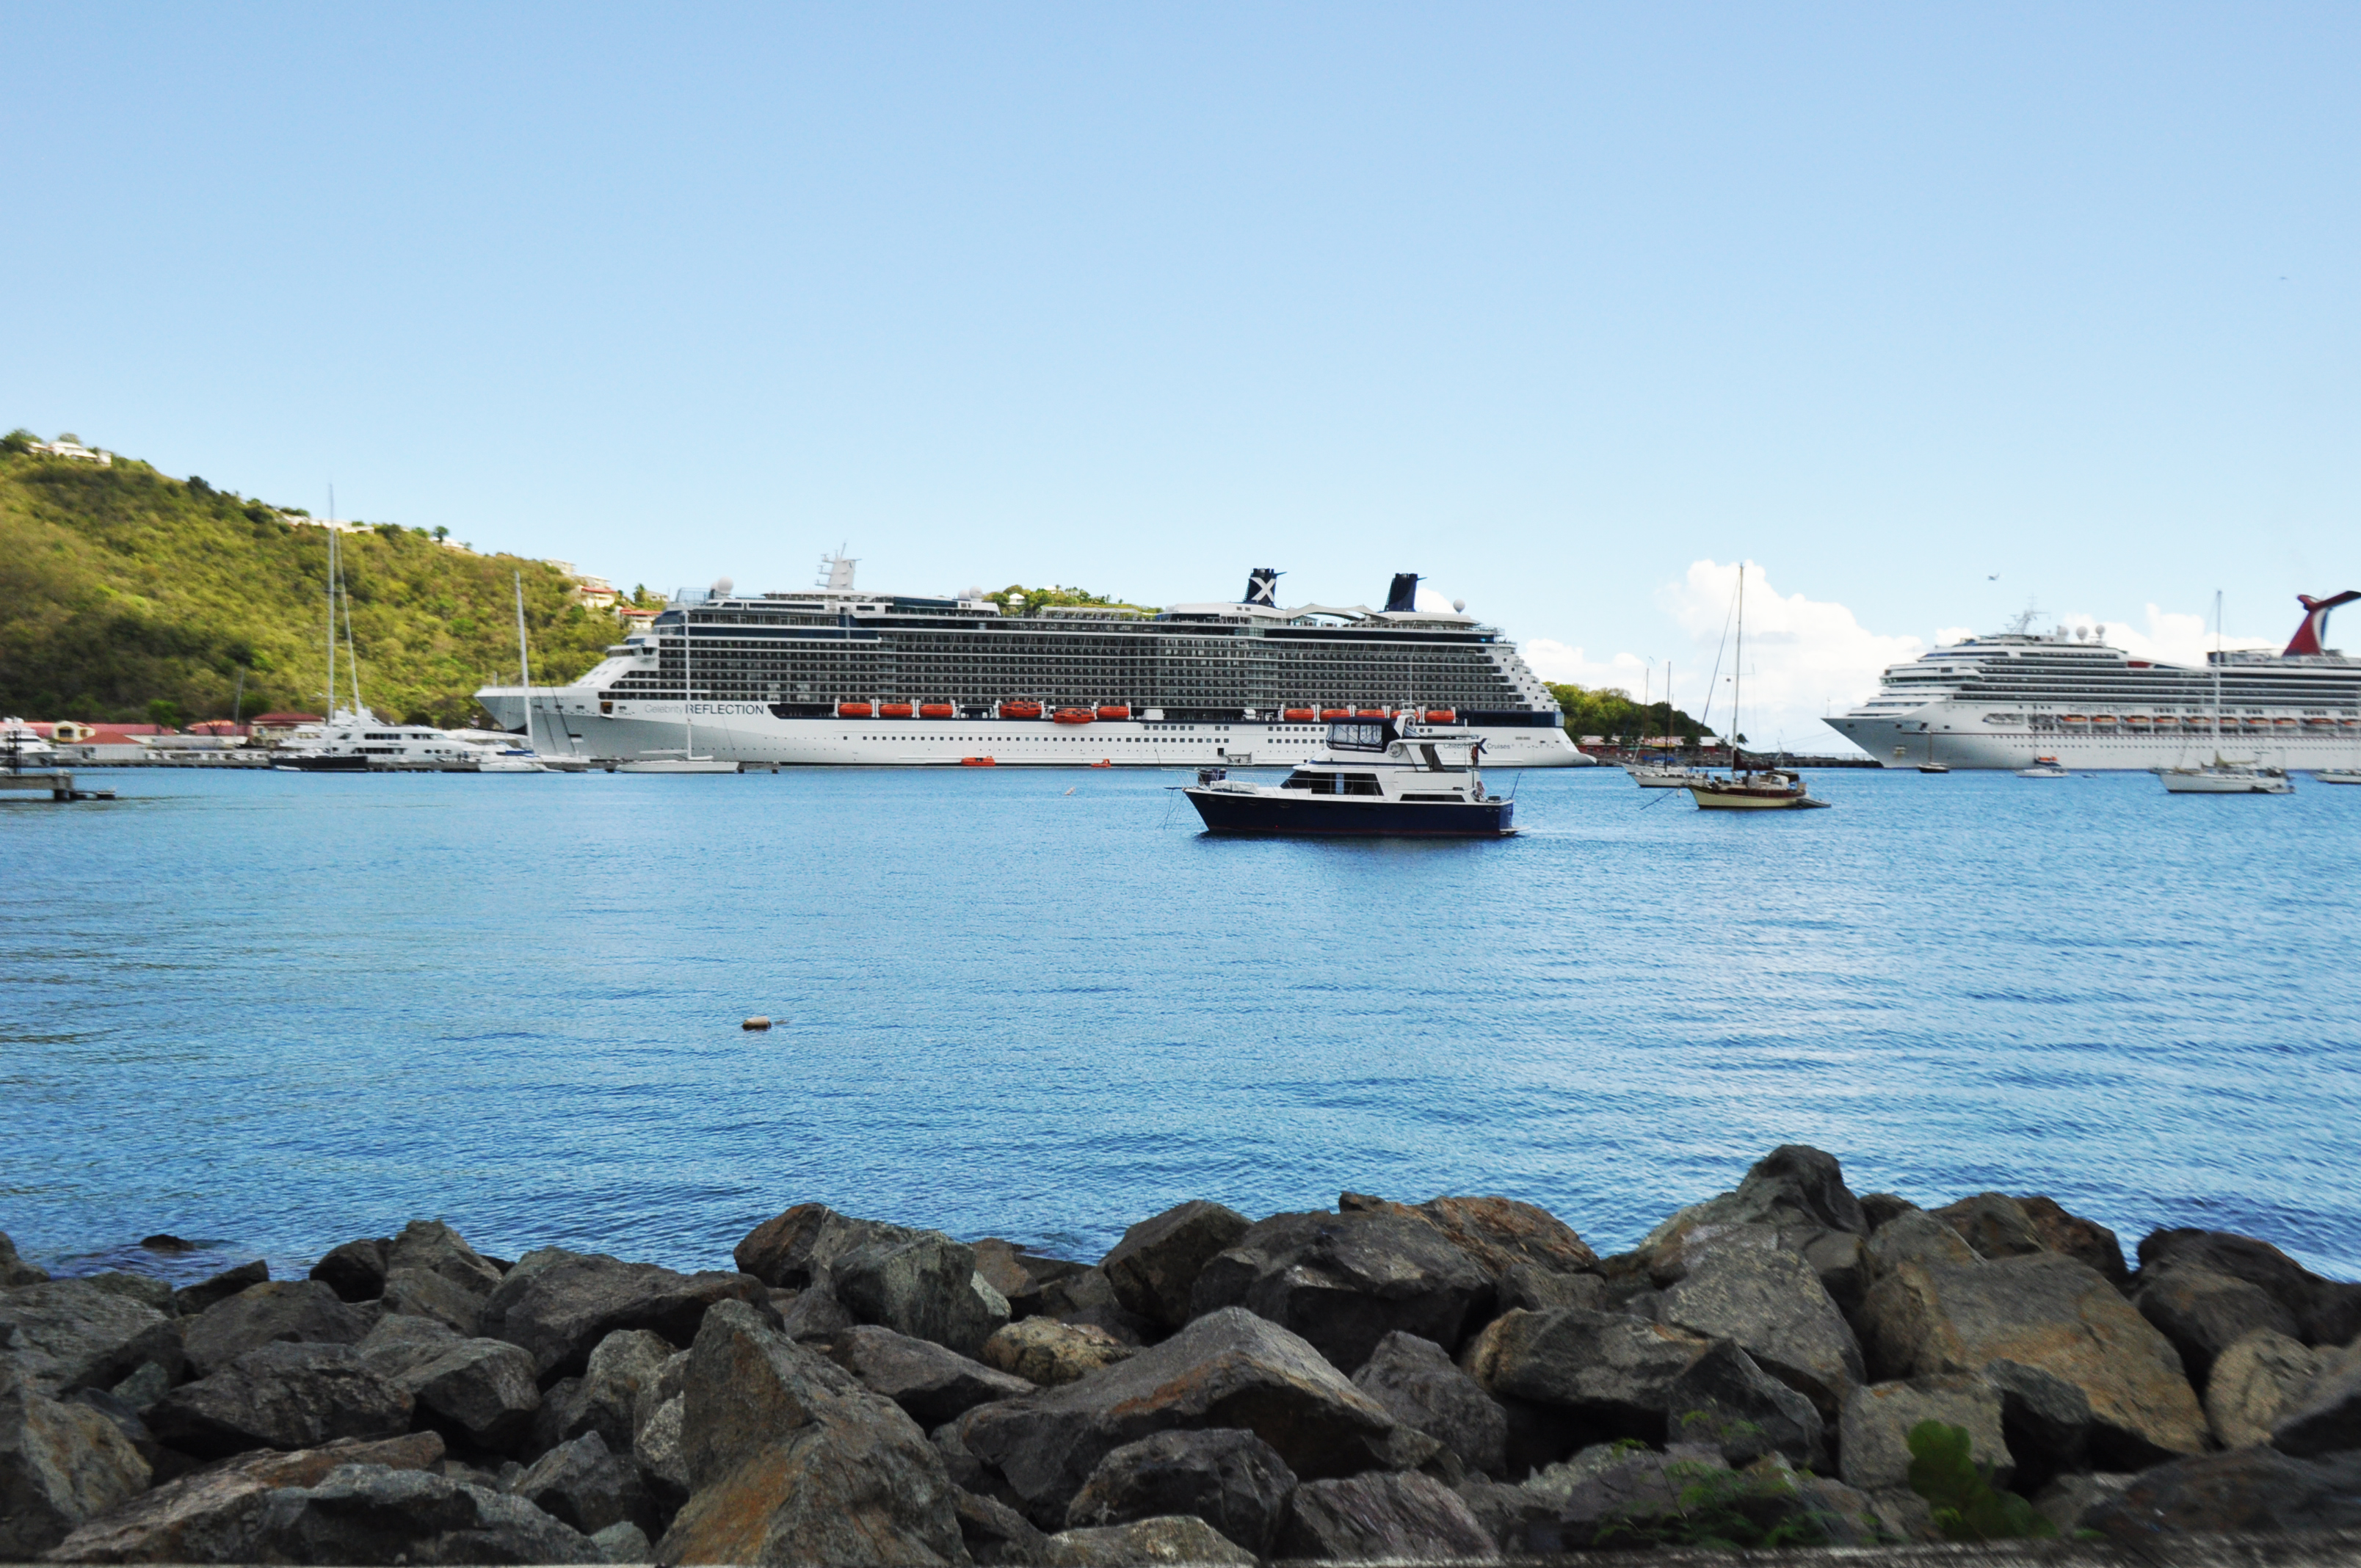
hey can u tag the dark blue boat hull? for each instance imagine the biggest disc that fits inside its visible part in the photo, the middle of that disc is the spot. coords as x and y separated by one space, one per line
1225 811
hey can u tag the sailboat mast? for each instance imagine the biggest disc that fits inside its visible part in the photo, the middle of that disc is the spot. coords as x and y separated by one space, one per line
1738 670
524 663
329 715
2217 674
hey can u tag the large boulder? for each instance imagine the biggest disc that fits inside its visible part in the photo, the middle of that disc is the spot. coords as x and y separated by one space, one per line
1231 1479
1725 1400
1874 1440
1795 1188
1153 1268
2326 1312
2324 1415
208 1515
1345 1281
355 1270
2204 1313
795 1250
1088 1301
290 1311
280 1395
2046 1420
791 1460
930 1381
605 1399
190 1299
2044 1310
558 1304
1772 1306
1176 1538
369 1513
1915 1238
1615 1372
1046 1351
2252 1383
923 1284
1629 1499
1398 1517
1500 1234
1423 1389
1230 1368
478 1390
2085 1241
59 1465
15 1270
1534 1289
65 1335
1025 1279
1994 1224
2245 1491
433 1248
997 1534
584 1484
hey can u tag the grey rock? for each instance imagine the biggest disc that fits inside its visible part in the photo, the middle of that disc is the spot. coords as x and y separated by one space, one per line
1915 1238
61 1463
436 1248
1794 1186
125 1419
1618 1498
815 1316
68 1333
422 1293
1345 1281
1880 1209
625 1541
1615 1371
669 1381
1153 1268
280 1395
2048 1310
140 1287
147 1383
2327 1312
923 1284
398 1344
355 1271
15 1270
1027 1280
2324 1415
1229 1478
1046 1351
1505 1513
2252 1383
559 1305
2247 1490
2068 1501
1228 1369
1994 1224
933 1383
1772 1306
1727 1400
1379 1518
2204 1313
656 1450
796 1249
1528 1286
997 1534
370 1514
605 1399
1421 1389
791 1460
1498 1234
481 1390
2085 1241
585 1484
1841 1261
1177 1539
1088 1301
2046 1420
1875 1439
191 1300
287 1312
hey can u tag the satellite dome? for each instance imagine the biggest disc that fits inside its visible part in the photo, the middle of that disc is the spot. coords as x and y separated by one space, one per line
723 588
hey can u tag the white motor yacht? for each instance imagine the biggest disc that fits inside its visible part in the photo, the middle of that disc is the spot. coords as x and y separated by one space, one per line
360 742
2220 777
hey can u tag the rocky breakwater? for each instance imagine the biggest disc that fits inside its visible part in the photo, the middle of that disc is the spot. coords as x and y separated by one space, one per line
1460 1379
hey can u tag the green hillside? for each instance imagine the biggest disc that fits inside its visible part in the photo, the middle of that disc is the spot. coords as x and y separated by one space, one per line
120 588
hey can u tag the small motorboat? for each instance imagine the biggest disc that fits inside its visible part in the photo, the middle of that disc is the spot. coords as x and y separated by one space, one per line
2220 777
2338 775
2044 768
1661 775
1934 767
1378 778
676 761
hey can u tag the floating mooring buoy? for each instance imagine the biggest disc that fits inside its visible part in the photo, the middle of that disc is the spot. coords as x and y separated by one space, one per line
757 1022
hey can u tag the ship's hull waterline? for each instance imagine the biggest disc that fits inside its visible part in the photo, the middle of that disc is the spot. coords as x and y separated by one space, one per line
567 722
1903 745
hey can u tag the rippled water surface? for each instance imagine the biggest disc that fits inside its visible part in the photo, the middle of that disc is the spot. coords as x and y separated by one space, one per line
282 1011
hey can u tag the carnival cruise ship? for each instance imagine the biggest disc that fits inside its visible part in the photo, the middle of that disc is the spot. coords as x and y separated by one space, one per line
2010 699
836 675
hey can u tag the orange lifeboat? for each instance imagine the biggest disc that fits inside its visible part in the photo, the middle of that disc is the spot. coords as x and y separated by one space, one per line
1369 713
1299 715
1074 716
1103 762
1114 710
896 710
978 762
1336 713
2285 723
2318 723
937 711
853 710
1441 714
1020 710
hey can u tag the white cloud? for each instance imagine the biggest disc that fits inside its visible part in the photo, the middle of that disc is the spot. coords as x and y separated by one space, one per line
2172 637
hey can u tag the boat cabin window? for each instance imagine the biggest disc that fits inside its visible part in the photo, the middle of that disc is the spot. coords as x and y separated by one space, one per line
1333 784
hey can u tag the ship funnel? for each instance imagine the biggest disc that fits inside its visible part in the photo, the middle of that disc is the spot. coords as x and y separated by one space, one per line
1404 595
2307 638
1262 587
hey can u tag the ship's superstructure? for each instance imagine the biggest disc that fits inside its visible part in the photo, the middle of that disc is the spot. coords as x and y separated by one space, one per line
834 674
2005 700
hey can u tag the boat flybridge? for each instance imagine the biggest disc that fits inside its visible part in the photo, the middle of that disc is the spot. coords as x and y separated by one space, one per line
1377 778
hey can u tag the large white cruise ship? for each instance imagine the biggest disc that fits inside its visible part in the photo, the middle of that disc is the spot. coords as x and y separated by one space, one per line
2006 701
834 674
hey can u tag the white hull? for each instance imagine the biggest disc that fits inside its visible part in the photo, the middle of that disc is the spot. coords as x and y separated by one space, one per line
1963 739
749 733
2208 783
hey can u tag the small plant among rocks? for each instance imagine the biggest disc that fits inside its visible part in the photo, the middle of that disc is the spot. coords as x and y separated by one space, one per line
1967 1505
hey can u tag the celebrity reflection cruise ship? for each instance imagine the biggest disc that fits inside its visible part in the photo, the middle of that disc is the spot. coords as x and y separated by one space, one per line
2006 701
836 674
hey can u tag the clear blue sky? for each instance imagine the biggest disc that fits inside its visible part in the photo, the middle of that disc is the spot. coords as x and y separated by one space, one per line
1547 303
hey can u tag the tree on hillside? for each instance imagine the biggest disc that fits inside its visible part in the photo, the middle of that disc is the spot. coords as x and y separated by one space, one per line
1610 711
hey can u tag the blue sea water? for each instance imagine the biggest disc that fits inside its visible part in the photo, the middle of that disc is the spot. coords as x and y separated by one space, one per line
276 1011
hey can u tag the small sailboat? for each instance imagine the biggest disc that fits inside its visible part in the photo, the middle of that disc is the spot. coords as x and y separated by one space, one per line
2222 776
665 760
1747 789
